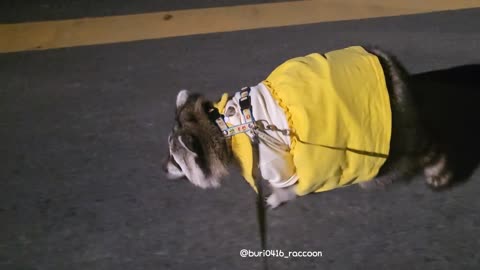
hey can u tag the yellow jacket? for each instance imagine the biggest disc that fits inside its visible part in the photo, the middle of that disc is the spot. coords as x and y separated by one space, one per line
338 110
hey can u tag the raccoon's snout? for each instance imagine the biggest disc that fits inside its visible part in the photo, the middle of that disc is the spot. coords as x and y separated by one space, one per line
165 165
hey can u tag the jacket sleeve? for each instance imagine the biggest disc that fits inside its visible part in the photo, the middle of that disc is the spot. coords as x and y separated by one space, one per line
277 167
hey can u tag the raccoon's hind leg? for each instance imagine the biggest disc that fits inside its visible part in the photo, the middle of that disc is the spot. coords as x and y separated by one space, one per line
437 169
392 171
408 139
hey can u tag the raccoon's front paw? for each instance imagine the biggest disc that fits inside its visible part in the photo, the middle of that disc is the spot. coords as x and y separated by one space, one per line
273 201
281 195
438 174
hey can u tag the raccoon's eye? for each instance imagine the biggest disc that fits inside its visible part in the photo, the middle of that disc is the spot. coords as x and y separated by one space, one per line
174 162
191 143
189 118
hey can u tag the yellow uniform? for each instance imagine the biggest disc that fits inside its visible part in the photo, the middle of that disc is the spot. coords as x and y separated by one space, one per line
338 110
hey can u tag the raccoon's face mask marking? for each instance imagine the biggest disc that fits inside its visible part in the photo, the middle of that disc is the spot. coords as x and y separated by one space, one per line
171 166
192 146
185 162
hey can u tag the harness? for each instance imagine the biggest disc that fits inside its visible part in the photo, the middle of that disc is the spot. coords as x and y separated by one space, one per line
251 126
246 111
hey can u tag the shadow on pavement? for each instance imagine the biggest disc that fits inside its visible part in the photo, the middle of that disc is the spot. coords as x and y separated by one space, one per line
450 107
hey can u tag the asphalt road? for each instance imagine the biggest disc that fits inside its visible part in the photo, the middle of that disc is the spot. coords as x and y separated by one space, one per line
83 132
40 10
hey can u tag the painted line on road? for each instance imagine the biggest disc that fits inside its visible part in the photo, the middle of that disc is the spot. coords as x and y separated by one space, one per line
104 30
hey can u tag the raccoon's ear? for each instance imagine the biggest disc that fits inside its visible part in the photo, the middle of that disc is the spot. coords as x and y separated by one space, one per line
182 97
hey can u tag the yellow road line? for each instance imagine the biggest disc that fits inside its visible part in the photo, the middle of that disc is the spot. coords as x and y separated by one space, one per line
104 30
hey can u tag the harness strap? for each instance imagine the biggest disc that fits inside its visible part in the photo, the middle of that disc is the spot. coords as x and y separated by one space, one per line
246 111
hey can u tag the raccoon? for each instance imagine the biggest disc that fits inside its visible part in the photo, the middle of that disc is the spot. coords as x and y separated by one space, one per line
201 153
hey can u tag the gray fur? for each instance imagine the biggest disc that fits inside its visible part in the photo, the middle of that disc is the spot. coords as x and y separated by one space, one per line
411 148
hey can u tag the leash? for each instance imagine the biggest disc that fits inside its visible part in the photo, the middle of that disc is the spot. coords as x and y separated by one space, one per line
246 110
261 213
248 127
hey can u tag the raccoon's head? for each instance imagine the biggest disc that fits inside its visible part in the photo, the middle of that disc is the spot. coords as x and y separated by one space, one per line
197 149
